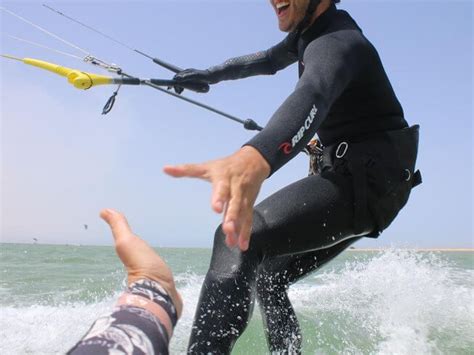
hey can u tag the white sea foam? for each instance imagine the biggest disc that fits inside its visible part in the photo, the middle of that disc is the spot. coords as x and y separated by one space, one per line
189 285
47 329
40 329
397 302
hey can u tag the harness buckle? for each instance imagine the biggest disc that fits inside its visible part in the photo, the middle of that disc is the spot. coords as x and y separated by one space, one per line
342 149
407 174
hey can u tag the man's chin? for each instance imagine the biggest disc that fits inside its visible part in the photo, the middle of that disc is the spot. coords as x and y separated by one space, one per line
284 27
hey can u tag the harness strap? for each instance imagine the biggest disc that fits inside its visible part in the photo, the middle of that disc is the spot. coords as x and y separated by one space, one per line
360 187
335 156
417 178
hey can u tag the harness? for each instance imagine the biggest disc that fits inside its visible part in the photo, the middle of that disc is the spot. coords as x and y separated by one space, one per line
382 167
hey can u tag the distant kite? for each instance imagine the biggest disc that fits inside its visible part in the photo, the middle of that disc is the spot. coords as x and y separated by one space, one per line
35 240
86 226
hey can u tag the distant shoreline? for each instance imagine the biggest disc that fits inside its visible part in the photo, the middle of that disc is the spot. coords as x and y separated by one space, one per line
354 249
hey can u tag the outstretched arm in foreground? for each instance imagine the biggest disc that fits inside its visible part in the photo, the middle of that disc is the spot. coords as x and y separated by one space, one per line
145 315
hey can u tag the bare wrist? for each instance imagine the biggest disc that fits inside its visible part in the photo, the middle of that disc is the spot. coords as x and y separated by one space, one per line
256 159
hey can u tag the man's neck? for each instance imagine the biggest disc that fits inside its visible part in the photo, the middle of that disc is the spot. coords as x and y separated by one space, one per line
322 8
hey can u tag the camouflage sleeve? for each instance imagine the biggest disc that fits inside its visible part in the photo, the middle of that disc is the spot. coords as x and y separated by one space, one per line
141 323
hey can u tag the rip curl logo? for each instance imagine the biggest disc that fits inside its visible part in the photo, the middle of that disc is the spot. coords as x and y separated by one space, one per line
287 147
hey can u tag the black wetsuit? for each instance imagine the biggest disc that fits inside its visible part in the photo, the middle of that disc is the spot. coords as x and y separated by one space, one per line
344 96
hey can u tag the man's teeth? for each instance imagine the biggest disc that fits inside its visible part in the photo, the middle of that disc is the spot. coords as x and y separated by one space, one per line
282 4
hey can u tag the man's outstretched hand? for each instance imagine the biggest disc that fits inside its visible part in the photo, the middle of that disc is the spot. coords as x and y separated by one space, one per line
236 182
140 260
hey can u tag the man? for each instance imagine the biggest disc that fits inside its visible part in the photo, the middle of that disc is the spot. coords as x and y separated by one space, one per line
364 177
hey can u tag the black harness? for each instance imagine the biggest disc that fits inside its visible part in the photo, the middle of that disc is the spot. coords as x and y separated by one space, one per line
382 167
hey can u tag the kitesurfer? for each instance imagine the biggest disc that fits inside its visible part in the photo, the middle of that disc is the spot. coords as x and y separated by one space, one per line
363 178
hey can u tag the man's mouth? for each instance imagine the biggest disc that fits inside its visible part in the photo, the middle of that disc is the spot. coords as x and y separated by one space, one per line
282 8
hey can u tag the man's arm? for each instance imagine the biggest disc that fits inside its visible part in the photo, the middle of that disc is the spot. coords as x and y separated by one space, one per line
331 62
261 63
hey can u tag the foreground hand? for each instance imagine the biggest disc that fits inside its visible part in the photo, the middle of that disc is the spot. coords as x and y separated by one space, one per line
236 182
140 260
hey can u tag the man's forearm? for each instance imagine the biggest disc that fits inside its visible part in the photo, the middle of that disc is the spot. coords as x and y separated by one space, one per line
242 67
266 62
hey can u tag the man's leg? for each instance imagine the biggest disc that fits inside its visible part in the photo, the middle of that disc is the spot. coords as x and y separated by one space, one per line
281 325
312 214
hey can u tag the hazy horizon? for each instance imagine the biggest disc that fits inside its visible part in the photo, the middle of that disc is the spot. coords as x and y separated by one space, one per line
353 247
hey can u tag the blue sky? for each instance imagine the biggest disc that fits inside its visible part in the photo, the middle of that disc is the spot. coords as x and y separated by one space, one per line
61 161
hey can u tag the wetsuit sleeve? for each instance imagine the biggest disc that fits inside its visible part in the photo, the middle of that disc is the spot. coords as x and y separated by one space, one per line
330 63
261 63
142 323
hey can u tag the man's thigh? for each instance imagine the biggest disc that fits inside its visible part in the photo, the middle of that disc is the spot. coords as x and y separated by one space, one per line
311 214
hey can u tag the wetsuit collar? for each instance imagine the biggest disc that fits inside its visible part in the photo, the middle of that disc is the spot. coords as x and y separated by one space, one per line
320 24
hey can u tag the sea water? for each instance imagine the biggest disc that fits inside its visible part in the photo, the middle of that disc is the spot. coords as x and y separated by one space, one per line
389 302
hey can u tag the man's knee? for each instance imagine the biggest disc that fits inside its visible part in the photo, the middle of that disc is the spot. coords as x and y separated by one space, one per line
219 237
229 260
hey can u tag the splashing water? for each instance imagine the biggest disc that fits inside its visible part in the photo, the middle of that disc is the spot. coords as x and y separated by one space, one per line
393 302
399 302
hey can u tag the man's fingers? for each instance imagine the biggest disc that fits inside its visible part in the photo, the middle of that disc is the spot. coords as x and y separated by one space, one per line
232 217
220 196
234 208
245 232
186 170
230 231
238 217
118 223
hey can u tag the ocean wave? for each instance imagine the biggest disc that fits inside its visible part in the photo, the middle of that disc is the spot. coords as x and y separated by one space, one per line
393 302
46 330
398 302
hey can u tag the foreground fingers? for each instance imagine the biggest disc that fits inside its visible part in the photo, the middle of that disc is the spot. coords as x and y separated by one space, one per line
118 224
139 259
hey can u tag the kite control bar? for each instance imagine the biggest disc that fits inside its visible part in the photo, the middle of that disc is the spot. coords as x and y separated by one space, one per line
85 80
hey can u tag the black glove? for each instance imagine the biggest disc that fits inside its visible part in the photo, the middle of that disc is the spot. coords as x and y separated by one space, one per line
193 77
